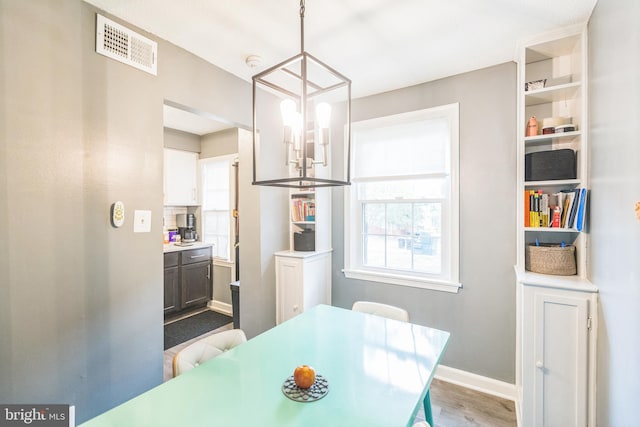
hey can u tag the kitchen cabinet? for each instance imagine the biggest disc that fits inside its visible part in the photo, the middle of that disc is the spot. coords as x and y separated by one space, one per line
303 280
558 355
180 178
187 280
195 277
171 281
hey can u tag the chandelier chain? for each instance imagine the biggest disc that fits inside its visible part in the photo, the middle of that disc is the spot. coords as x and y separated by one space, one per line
302 25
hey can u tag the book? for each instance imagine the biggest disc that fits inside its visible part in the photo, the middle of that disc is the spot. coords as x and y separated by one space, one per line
544 210
574 208
581 210
527 208
568 201
303 210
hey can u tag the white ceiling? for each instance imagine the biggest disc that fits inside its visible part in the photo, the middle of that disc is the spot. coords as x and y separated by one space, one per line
380 45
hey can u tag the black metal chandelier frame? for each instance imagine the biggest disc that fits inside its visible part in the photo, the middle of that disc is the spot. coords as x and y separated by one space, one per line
309 90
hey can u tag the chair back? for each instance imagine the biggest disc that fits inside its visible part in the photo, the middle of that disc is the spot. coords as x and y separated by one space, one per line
384 310
206 348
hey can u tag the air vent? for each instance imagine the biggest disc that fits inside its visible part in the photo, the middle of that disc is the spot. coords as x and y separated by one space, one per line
127 46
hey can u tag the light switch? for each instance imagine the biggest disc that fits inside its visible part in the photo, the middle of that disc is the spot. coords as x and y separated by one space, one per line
142 221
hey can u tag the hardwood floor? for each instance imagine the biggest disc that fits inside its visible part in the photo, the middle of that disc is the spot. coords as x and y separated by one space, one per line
453 405
456 406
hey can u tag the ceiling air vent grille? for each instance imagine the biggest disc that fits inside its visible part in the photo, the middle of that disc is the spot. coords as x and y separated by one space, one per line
124 45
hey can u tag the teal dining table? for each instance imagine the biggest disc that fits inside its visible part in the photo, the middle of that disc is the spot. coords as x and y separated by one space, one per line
377 374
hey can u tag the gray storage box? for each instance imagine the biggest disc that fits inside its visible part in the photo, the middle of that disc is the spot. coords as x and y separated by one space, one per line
304 240
550 165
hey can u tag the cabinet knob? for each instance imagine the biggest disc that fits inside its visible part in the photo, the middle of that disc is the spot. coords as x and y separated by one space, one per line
295 308
539 365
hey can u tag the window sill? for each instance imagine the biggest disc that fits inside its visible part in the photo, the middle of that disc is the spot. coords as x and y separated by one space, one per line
222 262
396 279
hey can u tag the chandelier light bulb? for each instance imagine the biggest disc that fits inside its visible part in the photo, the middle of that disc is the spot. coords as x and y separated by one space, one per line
323 115
288 111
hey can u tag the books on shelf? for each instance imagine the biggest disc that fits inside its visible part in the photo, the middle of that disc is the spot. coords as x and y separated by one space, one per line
303 210
565 209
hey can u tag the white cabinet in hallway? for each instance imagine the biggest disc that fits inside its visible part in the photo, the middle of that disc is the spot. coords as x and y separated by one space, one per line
303 280
180 178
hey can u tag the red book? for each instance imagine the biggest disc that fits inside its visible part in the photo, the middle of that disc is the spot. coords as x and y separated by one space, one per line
556 217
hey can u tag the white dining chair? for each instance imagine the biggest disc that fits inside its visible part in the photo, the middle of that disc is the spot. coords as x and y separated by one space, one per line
206 348
379 309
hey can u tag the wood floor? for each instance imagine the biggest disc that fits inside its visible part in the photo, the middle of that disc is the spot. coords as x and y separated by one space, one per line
452 405
456 406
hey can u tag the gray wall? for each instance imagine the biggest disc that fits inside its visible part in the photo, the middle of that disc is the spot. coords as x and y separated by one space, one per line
81 302
219 143
481 317
179 140
614 100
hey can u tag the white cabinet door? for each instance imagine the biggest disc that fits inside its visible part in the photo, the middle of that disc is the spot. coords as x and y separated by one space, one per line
555 357
180 178
288 288
302 281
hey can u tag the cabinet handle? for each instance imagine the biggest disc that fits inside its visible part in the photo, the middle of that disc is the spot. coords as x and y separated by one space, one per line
539 365
197 256
209 271
193 194
295 308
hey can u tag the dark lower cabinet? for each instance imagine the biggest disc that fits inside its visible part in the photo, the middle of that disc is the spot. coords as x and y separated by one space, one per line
171 295
187 280
196 284
171 282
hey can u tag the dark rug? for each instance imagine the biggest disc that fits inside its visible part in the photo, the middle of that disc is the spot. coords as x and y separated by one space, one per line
183 330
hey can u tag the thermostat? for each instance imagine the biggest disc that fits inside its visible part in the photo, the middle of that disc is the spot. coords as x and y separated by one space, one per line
117 214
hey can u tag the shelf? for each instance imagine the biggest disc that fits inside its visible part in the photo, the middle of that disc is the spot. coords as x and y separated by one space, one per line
550 138
555 182
303 222
552 229
572 283
552 94
551 49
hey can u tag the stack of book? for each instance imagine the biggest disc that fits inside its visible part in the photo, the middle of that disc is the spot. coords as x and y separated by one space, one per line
565 209
303 210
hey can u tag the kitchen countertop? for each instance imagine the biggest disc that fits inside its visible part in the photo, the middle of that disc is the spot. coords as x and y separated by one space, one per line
172 247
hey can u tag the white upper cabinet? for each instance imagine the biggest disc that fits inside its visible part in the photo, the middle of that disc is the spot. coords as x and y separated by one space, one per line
180 178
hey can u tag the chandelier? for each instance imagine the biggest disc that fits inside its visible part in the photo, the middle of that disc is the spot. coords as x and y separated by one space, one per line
314 109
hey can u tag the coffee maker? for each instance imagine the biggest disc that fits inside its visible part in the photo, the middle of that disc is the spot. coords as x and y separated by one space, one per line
187 227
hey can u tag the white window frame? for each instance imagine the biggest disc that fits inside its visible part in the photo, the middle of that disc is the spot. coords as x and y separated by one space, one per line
448 280
230 158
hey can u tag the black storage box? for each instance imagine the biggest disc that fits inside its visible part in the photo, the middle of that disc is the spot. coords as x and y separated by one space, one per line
304 240
550 165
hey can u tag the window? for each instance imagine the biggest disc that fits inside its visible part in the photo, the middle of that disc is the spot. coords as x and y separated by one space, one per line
402 207
217 204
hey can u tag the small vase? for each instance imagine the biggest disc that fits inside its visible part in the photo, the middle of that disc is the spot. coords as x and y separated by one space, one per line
532 127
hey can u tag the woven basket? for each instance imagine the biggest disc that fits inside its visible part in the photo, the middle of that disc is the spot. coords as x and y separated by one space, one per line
551 259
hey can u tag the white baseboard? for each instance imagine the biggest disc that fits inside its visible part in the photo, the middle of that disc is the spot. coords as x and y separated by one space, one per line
477 382
221 307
